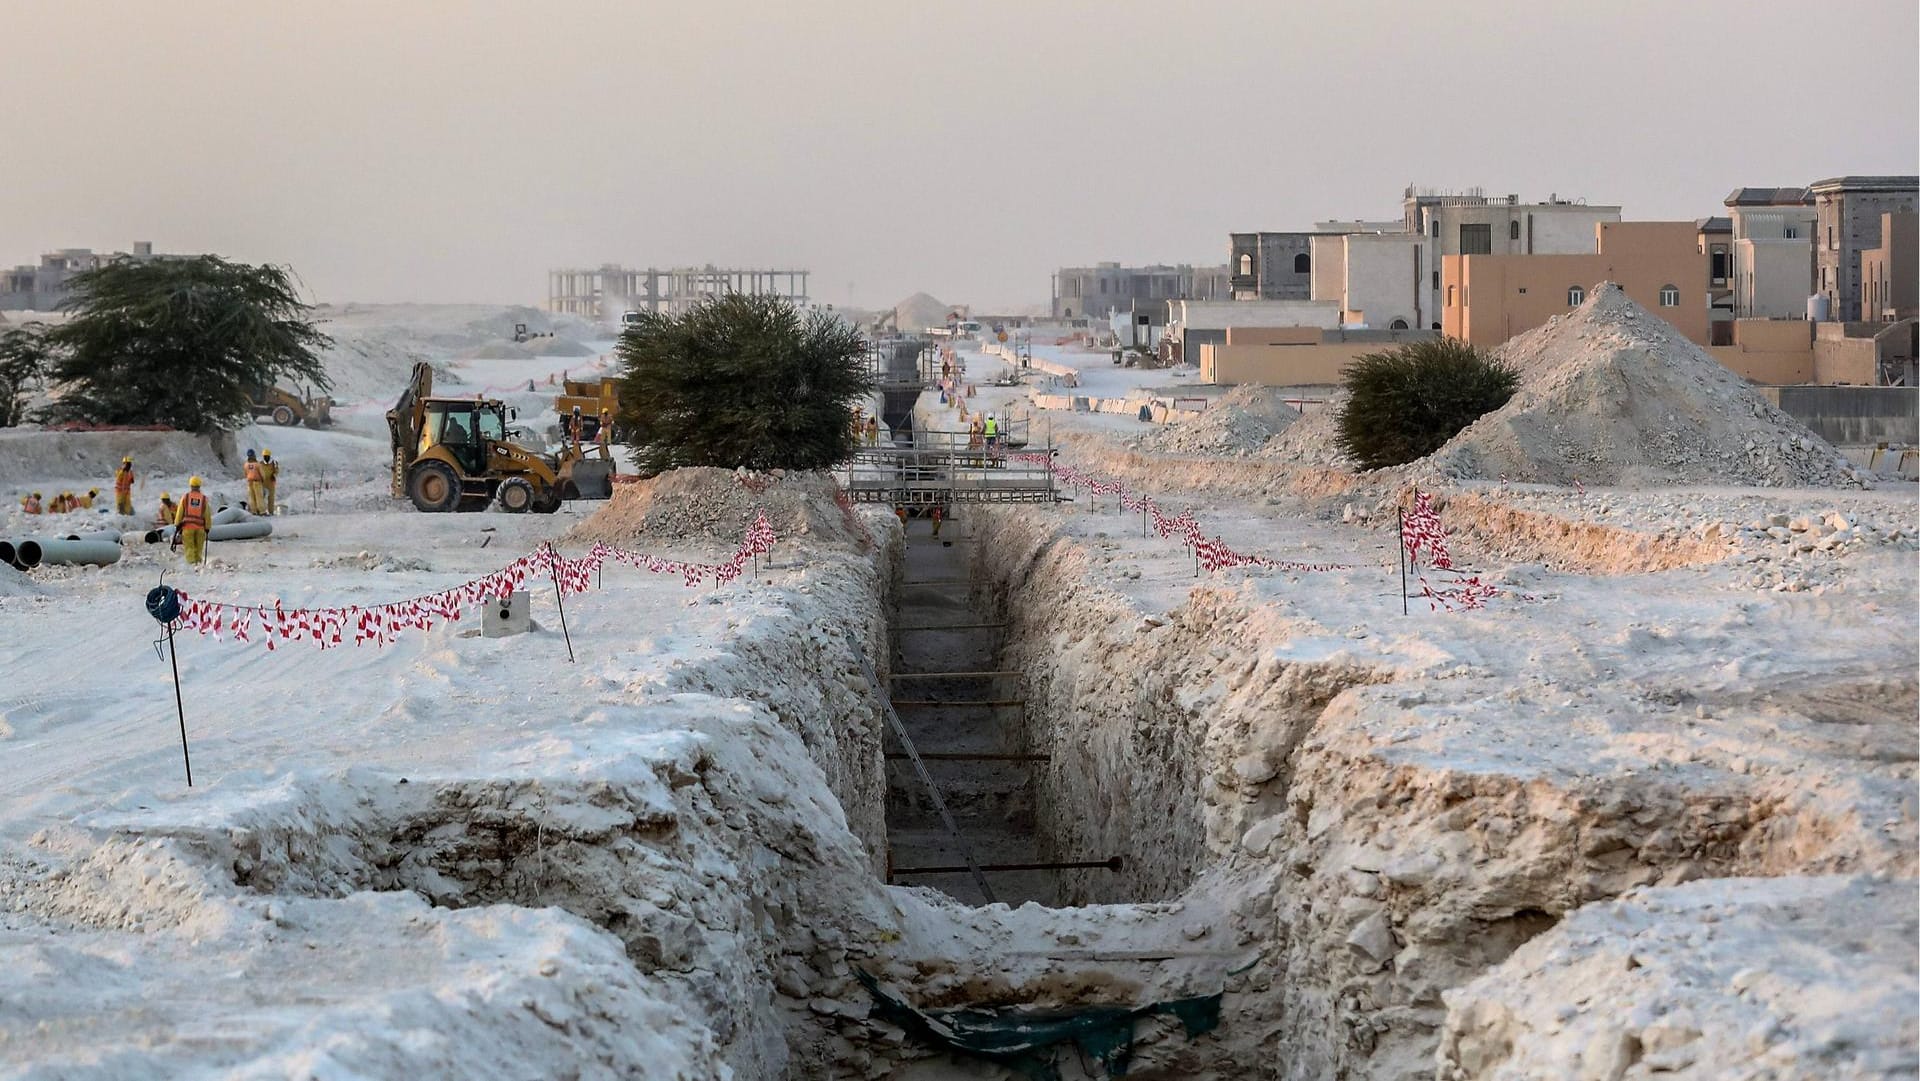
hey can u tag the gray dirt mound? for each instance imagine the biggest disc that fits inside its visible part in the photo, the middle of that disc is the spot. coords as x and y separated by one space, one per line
1242 421
1612 394
499 349
31 456
557 347
714 506
1309 441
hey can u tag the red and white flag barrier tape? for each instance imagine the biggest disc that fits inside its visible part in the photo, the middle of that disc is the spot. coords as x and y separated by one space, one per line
1212 552
381 624
1421 531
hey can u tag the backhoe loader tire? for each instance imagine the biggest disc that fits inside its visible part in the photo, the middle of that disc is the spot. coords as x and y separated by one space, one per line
434 488
516 495
547 502
283 415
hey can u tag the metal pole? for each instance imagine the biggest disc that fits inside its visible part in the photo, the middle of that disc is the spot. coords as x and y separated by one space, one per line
1402 553
559 597
179 705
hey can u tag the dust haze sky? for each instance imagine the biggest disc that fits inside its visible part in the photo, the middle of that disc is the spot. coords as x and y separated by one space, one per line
453 150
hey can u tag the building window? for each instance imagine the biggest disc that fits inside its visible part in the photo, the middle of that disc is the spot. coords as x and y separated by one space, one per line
1450 296
1476 239
1576 296
1246 264
1513 230
1669 296
1397 324
1436 279
1435 225
1721 263
1302 263
1523 290
1830 243
1790 233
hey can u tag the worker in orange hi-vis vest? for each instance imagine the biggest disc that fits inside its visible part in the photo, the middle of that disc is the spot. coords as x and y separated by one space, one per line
31 504
192 519
256 485
123 487
269 481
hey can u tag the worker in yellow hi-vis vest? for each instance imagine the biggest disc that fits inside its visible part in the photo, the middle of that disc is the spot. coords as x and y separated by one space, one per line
269 480
256 484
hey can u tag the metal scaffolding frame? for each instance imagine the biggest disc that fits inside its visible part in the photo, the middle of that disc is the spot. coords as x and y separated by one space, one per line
606 291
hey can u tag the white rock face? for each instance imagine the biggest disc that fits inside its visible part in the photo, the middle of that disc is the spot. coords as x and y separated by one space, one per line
1797 977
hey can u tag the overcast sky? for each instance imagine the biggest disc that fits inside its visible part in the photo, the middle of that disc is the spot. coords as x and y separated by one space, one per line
453 150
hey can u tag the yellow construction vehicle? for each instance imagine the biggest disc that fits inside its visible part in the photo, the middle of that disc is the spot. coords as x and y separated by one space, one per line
590 396
453 454
286 408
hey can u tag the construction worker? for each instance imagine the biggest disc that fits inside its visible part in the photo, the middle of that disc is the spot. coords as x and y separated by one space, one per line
31 504
873 431
938 517
256 484
123 487
87 500
992 431
603 436
574 424
167 509
269 480
192 518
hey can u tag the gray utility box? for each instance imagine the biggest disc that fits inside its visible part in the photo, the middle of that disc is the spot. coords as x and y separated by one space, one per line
503 616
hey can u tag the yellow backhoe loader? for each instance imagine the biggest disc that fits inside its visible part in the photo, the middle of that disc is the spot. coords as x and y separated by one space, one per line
453 454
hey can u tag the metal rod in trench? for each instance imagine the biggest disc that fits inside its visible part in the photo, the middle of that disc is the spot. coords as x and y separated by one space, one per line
559 597
179 705
926 778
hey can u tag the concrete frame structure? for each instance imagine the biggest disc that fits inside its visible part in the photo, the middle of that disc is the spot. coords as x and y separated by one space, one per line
43 287
1493 298
1772 252
607 291
1848 210
1472 223
1889 284
1271 266
1099 291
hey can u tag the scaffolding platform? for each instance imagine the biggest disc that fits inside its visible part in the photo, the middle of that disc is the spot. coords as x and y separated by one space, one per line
935 476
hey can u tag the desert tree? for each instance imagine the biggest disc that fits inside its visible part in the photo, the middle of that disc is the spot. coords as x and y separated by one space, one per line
1403 404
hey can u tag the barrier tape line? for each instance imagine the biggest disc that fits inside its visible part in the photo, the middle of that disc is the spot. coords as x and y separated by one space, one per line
383 623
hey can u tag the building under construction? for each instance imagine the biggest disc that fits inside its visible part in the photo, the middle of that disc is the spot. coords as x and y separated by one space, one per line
608 291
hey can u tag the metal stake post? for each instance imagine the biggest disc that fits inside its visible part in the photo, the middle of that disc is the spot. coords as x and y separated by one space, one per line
179 706
559 597
1402 553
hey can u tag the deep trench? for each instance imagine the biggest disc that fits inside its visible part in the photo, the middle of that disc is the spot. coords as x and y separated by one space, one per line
966 712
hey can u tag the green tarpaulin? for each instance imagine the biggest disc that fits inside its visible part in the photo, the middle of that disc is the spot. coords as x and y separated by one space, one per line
1028 1040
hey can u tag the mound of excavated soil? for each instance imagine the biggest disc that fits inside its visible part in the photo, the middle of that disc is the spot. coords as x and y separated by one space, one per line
32 456
1242 421
707 505
500 349
1310 440
1612 394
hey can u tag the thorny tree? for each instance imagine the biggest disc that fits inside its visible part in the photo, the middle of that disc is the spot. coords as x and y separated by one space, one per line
179 342
741 381
23 360
1405 403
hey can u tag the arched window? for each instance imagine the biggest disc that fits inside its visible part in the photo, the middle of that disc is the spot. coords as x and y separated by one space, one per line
1669 296
1246 264
1302 263
1576 296
1450 290
1397 324
1513 230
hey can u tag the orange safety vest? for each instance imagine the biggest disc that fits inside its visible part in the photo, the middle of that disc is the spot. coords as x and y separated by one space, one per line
123 480
253 472
193 511
32 505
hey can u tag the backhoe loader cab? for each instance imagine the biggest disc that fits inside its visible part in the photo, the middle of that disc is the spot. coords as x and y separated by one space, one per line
453 454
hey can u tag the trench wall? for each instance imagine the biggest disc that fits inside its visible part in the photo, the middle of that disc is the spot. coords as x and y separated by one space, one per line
1270 799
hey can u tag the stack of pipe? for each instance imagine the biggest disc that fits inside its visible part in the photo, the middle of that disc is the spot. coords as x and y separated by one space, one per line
101 547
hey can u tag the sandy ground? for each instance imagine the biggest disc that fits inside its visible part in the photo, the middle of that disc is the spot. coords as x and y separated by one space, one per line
1652 809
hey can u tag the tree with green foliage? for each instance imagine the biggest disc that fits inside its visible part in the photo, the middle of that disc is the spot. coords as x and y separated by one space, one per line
1405 403
24 358
741 381
179 342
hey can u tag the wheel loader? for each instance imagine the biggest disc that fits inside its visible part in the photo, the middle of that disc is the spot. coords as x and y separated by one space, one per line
453 454
286 408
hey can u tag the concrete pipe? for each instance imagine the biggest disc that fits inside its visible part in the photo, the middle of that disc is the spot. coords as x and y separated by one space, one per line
55 553
7 553
112 536
252 529
228 516
155 536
